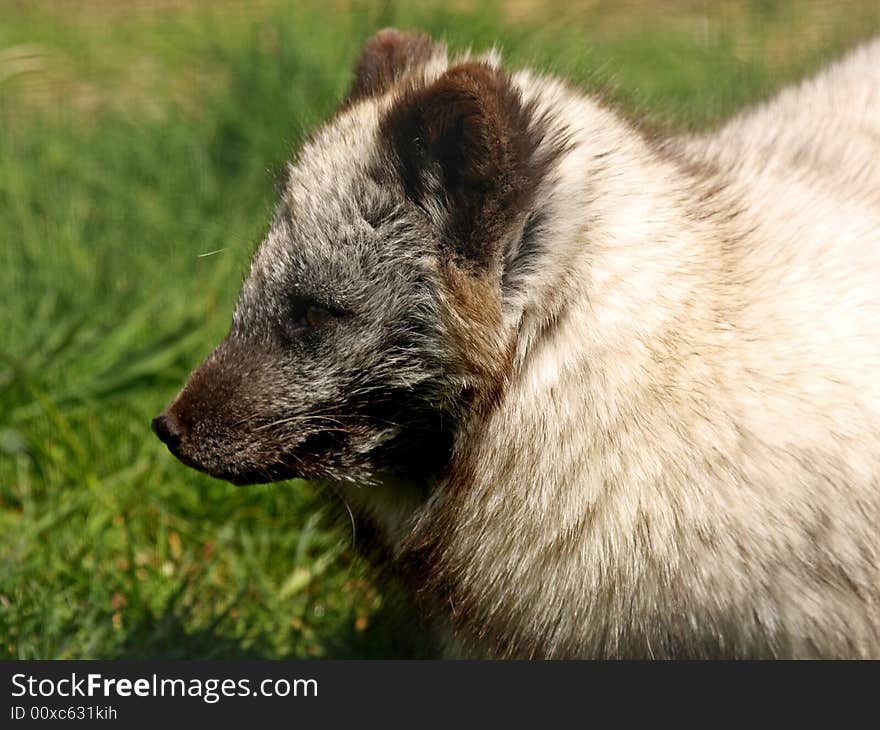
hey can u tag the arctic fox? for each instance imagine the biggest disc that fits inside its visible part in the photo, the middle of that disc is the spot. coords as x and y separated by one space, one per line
599 394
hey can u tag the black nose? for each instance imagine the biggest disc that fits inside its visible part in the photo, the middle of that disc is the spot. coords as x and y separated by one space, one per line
168 428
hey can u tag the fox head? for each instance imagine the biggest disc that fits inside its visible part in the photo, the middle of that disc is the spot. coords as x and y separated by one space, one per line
377 312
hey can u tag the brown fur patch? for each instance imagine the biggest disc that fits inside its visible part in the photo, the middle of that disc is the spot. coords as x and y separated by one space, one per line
429 569
473 316
386 58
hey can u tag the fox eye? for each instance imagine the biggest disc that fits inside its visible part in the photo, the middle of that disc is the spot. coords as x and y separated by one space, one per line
316 316
309 315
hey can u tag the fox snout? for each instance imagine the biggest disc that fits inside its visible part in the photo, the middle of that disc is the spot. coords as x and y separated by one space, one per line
177 434
216 422
169 430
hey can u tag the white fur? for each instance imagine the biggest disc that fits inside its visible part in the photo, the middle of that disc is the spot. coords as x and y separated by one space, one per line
686 458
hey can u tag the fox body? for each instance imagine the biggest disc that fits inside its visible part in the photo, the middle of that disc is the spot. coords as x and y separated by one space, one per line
600 394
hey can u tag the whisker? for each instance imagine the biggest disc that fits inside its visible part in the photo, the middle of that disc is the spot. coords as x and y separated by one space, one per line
299 419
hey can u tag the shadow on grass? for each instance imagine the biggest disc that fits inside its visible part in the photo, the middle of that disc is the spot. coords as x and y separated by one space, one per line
394 632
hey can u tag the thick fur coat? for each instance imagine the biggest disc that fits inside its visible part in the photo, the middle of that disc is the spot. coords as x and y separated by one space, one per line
600 394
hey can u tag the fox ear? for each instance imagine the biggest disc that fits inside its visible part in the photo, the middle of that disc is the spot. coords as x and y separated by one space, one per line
465 150
386 57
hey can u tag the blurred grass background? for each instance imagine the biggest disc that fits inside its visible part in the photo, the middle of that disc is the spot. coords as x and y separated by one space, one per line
139 145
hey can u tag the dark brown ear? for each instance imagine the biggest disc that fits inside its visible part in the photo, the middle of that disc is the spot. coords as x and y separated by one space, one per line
466 145
386 57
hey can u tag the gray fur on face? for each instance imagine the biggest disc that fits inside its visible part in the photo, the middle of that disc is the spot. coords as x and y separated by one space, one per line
340 400
338 393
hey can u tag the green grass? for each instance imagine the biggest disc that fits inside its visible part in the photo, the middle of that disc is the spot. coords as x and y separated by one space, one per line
132 144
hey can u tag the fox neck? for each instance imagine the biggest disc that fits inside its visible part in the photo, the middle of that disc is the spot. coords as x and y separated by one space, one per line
620 262
614 328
